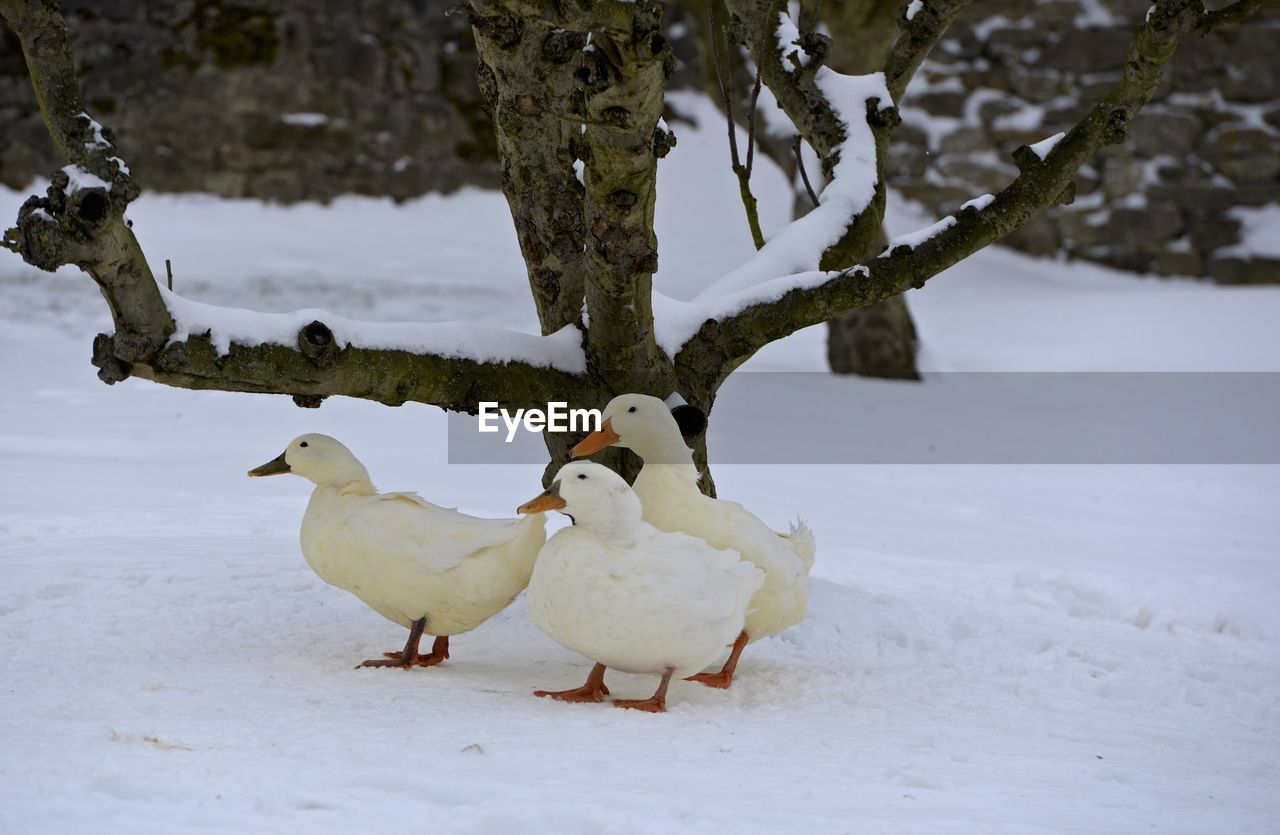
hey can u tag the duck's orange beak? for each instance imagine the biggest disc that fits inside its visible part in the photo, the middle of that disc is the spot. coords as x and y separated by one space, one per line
548 499
596 441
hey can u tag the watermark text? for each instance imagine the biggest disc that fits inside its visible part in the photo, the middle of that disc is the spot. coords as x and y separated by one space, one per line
557 417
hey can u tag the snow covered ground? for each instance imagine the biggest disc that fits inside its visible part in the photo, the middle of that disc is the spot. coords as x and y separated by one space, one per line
989 648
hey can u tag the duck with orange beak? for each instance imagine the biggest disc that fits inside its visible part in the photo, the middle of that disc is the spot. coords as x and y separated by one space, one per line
431 569
626 595
671 501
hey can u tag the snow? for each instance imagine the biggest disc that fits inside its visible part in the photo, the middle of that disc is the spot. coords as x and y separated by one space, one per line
919 236
795 249
1259 231
914 239
913 8
997 649
78 178
979 203
99 140
310 120
459 340
1028 117
788 42
1045 146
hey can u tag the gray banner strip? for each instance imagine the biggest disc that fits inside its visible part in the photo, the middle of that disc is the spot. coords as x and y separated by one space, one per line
967 418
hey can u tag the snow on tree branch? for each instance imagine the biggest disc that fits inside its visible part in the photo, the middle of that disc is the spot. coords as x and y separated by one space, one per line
163 337
742 319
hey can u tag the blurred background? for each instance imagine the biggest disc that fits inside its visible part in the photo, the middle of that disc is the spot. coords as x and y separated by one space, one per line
308 100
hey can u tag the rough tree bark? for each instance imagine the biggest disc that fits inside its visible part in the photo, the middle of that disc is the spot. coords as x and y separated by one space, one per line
878 340
597 68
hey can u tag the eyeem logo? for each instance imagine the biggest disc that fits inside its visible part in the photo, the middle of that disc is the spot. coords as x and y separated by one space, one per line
557 417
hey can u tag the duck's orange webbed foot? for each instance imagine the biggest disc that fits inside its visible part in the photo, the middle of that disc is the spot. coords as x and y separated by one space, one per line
593 691
585 693
724 678
720 680
650 705
396 661
409 657
657 703
439 652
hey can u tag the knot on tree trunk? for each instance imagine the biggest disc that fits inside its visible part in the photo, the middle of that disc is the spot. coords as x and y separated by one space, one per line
663 142
882 117
317 343
562 45
503 28
59 228
111 370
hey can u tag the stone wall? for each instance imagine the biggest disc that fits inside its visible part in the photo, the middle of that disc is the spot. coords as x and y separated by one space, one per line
1202 164
311 99
268 98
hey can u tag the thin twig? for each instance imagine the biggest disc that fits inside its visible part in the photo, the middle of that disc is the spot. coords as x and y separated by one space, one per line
721 63
804 175
168 268
724 75
751 123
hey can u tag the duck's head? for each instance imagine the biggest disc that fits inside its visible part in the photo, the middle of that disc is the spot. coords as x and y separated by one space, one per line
590 494
319 459
645 425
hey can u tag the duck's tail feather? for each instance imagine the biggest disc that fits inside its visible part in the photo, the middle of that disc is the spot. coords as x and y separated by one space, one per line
802 542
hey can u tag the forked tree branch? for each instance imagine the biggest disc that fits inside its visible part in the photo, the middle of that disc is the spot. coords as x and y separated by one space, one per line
81 221
928 22
801 301
792 65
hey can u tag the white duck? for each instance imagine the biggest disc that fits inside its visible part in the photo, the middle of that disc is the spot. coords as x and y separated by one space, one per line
668 489
627 595
430 569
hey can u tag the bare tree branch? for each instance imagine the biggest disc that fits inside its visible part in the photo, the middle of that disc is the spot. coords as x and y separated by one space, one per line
804 175
920 34
81 221
1227 15
724 77
729 339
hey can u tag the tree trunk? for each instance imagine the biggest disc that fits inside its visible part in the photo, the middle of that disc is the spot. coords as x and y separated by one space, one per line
880 340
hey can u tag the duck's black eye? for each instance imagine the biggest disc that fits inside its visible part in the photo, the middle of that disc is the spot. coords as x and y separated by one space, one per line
582 475
304 443
632 409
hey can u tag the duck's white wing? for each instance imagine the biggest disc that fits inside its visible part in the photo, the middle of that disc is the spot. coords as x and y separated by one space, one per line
727 524
714 584
436 537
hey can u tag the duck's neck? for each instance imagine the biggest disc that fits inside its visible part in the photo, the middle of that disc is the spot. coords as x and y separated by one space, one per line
611 528
664 451
360 487
619 520
667 478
